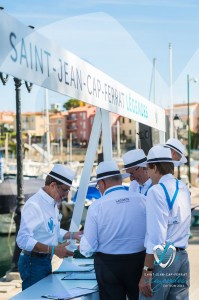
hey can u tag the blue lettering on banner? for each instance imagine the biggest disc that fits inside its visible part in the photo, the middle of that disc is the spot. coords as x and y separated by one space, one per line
32 57
136 107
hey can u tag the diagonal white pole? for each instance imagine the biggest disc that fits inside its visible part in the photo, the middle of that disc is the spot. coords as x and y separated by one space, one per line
106 135
86 172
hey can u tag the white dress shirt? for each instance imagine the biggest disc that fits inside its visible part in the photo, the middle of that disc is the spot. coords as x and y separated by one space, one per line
115 224
165 225
134 186
40 222
140 188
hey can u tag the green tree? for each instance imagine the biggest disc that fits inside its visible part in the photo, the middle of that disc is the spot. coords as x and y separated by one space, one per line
72 103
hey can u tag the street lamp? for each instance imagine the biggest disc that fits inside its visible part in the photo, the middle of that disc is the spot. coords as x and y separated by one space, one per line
177 125
188 125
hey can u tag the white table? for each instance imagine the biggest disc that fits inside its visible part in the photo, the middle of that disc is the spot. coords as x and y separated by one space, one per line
54 285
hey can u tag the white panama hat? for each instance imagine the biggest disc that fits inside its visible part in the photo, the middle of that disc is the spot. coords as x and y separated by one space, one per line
107 169
62 174
160 154
177 146
134 158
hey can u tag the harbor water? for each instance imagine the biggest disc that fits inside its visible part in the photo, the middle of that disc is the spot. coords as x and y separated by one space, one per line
6 252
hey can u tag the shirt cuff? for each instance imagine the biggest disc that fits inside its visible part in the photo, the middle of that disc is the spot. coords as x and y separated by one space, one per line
85 248
149 247
30 244
62 233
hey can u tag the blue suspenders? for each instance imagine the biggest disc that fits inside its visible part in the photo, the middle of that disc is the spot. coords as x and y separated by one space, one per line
145 194
170 202
140 189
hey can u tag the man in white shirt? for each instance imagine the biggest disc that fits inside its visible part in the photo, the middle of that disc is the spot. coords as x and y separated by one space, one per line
114 230
40 232
135 165
177 150
166 268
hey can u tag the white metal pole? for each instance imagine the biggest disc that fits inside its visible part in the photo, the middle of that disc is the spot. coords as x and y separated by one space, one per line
47 126
68 150
6 149
118 139
171 91
154 80
70 147
106 135
86 172
61 144
136 135
162 137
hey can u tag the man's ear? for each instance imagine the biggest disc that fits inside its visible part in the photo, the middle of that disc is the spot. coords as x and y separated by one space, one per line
53 184
155 169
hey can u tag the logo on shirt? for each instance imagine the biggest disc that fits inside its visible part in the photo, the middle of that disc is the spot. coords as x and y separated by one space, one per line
164 256
124 200
51 225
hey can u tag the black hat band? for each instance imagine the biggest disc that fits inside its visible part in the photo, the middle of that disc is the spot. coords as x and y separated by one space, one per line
160 159
108 174
174 148
135 163
60 177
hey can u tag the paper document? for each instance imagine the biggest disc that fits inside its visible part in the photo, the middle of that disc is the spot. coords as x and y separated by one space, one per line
68 266
80 275
70 294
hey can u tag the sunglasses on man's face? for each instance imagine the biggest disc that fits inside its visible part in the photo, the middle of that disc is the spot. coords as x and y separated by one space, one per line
133 171
63 190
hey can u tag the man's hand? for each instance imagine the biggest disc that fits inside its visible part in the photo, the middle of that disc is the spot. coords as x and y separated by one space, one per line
145 284
77 235
61 250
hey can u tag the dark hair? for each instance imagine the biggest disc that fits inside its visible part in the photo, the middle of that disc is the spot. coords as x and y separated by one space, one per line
50 179
116 178
163 167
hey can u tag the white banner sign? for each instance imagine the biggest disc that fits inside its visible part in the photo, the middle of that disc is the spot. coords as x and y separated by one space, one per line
27 55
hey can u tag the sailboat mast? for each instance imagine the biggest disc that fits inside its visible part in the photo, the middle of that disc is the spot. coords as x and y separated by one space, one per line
171 90
154 80
47 126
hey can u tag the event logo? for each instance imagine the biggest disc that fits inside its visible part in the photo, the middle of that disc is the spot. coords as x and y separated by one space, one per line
51 225
164 256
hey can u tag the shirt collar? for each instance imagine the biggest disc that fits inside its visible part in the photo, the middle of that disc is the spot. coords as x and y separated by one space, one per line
147 182
115 186
166 177
46 197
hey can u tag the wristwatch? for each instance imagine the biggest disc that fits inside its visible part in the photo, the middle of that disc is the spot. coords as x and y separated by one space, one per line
147 269
71 235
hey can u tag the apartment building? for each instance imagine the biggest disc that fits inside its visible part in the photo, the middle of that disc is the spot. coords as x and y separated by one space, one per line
181 110
127 130
80 121
34 123
58 126
7 119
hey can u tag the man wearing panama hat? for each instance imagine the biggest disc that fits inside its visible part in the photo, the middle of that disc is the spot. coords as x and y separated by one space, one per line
135 165
40 231
166 268
177 150
114 230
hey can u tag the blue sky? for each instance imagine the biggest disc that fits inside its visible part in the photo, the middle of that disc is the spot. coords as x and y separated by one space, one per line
120 37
